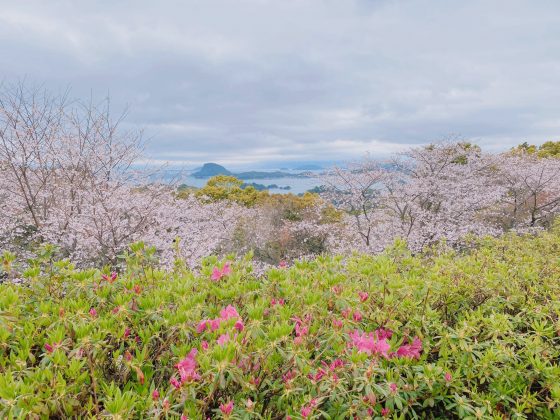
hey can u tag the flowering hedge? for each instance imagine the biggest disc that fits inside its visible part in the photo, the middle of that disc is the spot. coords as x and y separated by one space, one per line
394 335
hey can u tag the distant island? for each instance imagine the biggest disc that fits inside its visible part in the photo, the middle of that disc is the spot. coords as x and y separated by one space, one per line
308 167
209 170
262 187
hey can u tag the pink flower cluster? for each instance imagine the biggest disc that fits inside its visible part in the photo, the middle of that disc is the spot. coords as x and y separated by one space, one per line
227 408
306 410
186 369
227 313
109 278
219 273
280 302
376 343
326 369
301 328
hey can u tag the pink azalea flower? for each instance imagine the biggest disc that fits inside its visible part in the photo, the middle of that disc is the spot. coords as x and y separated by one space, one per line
337 323
363 296
93 312
346 312
288 376
49 348
301 330
176 384
411 350
201 326
282 264
357 316
229 312
383 333
306 411
226 271
370 343
393 387
239 325
385 412
126 332
226 409
204 345
223 339
280 302
184 417
448 377
155 395
335 364
218 273
337 290
187 367
214 324
110 278
318 376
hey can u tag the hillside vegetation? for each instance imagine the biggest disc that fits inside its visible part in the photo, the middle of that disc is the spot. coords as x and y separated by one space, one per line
436 335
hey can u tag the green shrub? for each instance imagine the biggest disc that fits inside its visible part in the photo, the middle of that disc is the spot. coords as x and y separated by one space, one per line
473 336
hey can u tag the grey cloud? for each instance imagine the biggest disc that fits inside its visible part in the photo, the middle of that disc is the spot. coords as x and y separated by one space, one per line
252 80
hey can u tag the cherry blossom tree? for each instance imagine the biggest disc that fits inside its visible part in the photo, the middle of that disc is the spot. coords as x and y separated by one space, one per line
532 185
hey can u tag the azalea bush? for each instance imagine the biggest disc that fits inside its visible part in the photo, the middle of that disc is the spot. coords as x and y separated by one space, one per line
437 335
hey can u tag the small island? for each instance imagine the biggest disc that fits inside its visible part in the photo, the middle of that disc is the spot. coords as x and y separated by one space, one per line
211 169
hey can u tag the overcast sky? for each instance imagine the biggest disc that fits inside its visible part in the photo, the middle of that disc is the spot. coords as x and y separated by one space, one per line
245 81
